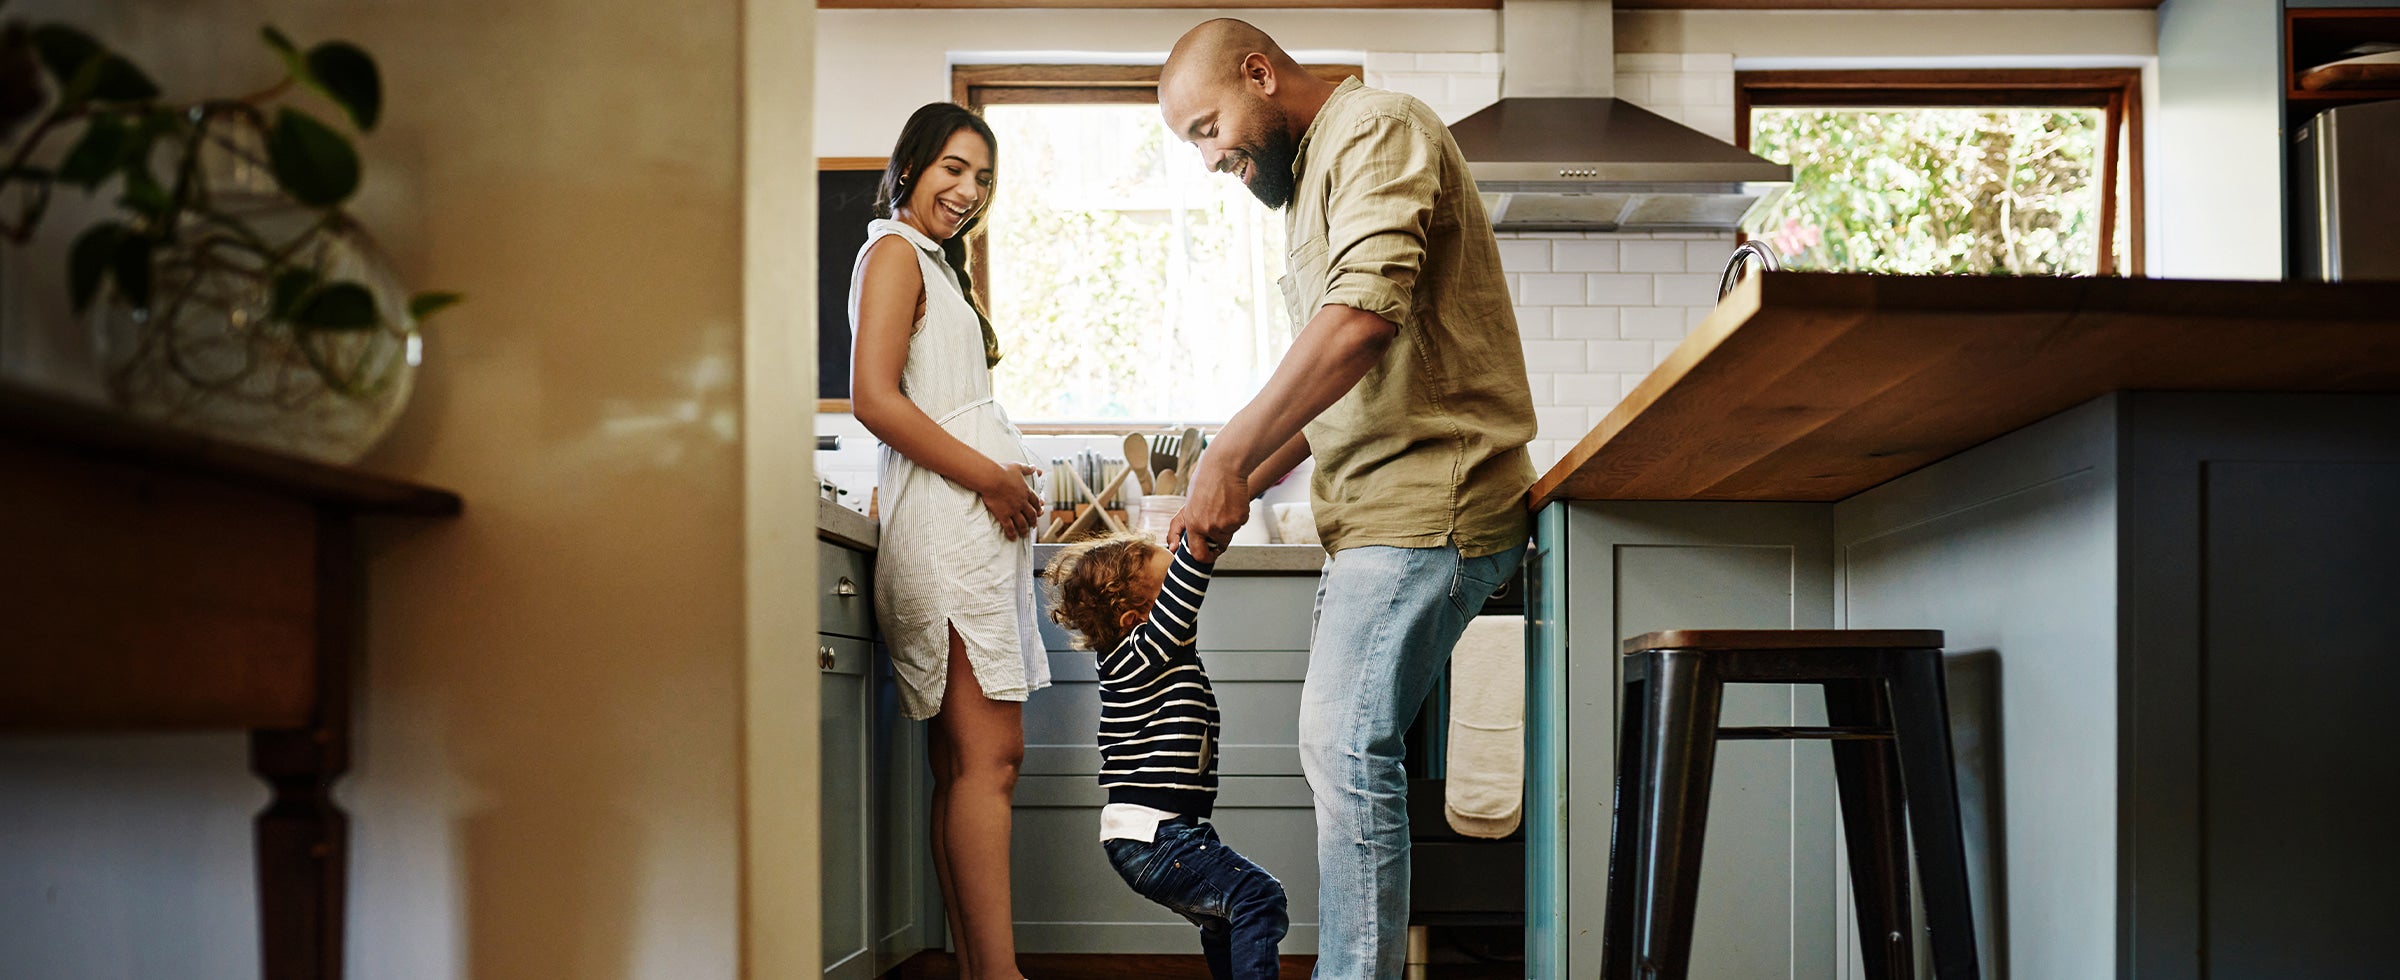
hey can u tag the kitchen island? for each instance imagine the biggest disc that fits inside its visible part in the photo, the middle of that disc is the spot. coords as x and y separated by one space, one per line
2156 520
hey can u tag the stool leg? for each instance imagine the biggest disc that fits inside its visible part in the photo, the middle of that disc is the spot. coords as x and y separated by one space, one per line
1922 714
1616 937
1685 696
1867 777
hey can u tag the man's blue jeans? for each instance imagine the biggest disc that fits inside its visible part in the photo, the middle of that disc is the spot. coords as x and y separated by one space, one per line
1238 906
1386 621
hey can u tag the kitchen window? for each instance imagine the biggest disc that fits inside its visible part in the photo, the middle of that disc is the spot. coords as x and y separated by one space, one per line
1997 172
1127 282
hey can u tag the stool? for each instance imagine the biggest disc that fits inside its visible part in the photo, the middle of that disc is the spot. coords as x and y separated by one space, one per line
1888 720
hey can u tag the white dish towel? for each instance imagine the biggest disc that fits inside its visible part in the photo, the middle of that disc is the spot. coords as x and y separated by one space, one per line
1484 794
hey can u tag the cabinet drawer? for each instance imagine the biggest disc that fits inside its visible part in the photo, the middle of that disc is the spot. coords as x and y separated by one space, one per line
844 655
845 603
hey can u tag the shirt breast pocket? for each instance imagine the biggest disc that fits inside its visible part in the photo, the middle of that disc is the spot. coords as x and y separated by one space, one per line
1303 281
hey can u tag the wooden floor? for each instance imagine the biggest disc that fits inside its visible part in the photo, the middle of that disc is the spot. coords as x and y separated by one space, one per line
939 966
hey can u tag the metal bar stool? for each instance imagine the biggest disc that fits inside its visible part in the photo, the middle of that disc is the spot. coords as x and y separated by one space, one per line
1888 719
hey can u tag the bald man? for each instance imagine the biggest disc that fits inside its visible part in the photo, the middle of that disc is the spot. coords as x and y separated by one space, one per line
1406 381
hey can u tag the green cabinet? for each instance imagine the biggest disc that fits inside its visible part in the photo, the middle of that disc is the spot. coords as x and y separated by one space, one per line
880 905
1254 633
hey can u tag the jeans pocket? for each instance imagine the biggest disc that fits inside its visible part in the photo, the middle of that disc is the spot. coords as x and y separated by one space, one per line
1131 858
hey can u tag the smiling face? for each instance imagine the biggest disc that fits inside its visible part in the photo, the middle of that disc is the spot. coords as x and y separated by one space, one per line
1236 125
953 188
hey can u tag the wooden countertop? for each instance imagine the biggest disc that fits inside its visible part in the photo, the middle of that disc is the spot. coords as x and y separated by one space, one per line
1815 386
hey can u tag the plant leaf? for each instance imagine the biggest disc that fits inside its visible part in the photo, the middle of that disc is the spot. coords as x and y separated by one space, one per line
426 304
130 266
277 40
284 48
144 194
291 286
347 75
340 305
119 81
97 154
88 260
64 51
314 164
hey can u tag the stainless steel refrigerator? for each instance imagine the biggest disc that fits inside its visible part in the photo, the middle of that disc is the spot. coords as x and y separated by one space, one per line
2346 194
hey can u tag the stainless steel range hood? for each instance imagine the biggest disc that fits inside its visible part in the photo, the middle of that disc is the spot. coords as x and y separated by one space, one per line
1559 152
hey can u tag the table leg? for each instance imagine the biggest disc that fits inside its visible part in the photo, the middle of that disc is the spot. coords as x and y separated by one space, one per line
302 838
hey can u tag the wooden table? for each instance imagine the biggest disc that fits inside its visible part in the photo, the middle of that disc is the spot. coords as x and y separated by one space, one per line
157 581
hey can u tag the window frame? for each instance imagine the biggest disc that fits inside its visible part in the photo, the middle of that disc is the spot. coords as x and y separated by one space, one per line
977 86
2117 92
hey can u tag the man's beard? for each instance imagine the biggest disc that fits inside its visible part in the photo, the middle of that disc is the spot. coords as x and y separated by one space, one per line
1270 159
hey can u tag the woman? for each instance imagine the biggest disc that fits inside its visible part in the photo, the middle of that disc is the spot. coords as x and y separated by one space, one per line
954 573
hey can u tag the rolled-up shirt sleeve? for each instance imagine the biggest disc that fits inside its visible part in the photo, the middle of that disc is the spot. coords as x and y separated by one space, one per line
1386 177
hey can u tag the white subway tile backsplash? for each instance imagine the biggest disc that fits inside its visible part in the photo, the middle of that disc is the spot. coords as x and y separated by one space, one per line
1618 355
1634 88
1525 255
1379 62
1561 421
1708 62
1516 286
1588 390
1617 289
1538 384
1466 61
1552 355
1659 349
1651 256
1584 322
1654 323
1533 323
1707 256
1687 290
1584 256
1551 289
1431 88
1692 315
1473 92
1631 62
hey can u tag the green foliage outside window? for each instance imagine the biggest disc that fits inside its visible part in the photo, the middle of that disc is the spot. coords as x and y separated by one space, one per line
1934 191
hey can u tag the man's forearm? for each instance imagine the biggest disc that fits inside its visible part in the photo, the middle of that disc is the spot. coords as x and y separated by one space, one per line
1337 348
1279 464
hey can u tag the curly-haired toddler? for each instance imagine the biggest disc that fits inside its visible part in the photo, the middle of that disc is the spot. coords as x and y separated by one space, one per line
1138 608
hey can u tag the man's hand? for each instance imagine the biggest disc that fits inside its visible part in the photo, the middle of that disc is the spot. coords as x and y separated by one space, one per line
1216 505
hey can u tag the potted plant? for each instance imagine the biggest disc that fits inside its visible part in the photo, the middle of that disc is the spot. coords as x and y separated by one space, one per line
230 290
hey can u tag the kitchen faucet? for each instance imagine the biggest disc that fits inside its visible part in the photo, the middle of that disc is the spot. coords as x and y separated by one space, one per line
1754 248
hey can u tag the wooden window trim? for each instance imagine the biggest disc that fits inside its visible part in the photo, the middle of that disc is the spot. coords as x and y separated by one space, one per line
2117 92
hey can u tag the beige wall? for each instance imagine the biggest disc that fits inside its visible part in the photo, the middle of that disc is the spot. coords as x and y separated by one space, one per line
547 771
874 67
1994 37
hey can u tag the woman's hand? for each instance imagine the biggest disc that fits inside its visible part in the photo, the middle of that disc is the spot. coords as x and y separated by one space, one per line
1010 499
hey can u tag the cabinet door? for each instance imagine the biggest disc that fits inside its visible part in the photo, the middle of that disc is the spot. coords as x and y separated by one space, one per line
844 805
903 798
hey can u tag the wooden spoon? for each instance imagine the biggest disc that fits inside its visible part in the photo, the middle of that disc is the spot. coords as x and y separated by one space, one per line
1137 459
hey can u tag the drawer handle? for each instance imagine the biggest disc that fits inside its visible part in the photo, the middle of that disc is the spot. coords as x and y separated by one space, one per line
845 588
824 658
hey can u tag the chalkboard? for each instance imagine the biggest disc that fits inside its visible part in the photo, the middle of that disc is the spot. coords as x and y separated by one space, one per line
845 203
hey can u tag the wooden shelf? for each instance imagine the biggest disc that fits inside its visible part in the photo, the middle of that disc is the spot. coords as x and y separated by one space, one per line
2315 36
1815 386
102 435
